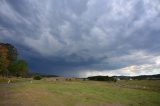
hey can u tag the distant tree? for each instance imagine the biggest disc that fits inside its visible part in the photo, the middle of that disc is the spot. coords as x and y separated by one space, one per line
37 77
102 78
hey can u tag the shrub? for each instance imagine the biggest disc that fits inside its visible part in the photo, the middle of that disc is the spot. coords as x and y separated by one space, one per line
37 77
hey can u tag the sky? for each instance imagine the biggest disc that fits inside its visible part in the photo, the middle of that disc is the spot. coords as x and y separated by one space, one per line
83 38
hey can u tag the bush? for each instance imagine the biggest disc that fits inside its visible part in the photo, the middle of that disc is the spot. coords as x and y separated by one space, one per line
37 77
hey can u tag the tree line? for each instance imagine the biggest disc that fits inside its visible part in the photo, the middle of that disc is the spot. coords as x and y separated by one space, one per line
102 78
10 65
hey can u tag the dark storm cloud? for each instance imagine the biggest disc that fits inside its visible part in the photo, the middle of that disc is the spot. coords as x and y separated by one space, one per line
84 37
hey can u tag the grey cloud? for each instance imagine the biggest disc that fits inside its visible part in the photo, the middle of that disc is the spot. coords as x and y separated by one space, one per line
82 34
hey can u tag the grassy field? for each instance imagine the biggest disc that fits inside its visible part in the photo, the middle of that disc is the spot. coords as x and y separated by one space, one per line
21 92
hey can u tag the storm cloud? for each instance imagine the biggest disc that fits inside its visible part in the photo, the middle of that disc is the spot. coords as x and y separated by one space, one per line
84 37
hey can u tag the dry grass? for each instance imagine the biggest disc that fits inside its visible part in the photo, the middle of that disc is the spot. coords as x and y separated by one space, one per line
48 92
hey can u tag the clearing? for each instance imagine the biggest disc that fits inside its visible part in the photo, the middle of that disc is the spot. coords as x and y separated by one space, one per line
21 92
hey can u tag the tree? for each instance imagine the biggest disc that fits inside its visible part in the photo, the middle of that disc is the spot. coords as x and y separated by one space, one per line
102 78
19 68
9 62
4 61
12 53
37 77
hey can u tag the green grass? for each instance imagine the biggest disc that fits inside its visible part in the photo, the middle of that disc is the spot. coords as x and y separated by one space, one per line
80 93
